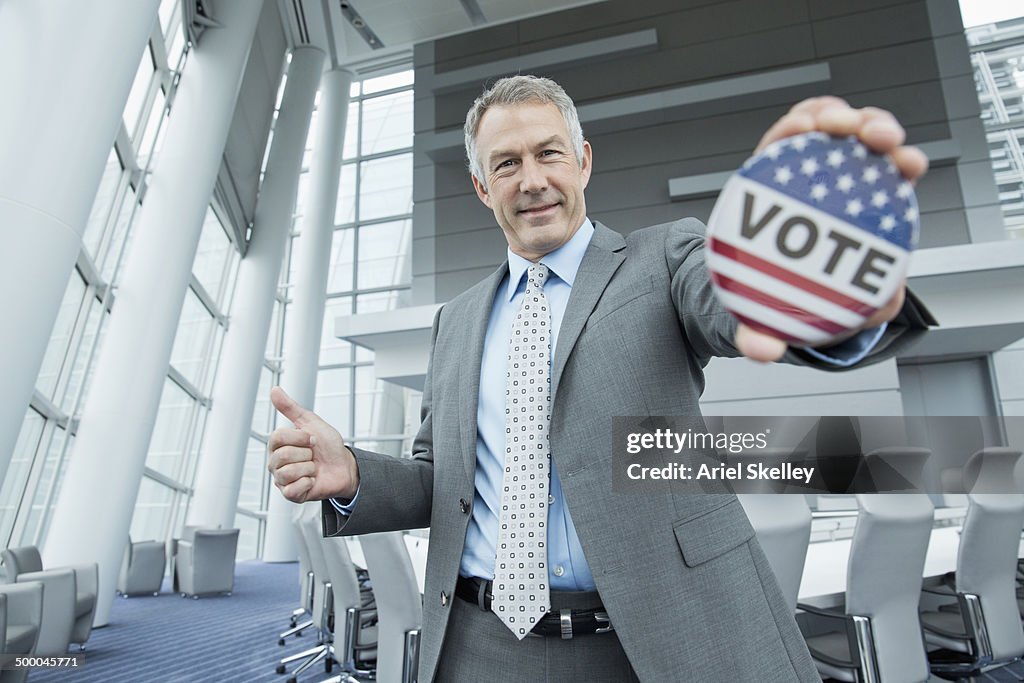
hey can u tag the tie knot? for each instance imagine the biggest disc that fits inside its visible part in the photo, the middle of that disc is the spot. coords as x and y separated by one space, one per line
537 276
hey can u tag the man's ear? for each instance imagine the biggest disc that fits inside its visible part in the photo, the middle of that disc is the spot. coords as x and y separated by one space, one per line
588 163
481 192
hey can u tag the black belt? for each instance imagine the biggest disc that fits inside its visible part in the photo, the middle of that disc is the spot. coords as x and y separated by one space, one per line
566 623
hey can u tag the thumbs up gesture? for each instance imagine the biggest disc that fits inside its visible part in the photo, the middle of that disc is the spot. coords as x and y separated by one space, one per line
311 461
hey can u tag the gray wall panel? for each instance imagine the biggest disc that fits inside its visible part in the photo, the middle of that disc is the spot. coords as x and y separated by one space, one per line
680 27
449 179
952 55
628 220
846 403
879 52
477 249
449 285
462 213
825 9
883 67
423 256
493 42
944 17
941 228
871 29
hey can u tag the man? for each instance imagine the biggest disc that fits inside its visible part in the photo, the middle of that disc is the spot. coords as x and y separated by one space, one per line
531 553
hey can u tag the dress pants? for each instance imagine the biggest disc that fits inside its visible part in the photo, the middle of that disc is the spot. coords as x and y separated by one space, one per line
479 647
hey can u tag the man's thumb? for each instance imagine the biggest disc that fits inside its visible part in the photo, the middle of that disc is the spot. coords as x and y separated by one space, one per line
287 406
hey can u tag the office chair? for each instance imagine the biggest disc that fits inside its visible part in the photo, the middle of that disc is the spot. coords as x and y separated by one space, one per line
21 615
880 639
399 606
78 597
305 583
984 628
323 599
142 572
355 615
206 564
782 524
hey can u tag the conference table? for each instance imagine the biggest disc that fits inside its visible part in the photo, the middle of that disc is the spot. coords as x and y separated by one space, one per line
824 576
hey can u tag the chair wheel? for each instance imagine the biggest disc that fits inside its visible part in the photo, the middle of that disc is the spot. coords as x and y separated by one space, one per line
328 665
280 669
293 679
280 641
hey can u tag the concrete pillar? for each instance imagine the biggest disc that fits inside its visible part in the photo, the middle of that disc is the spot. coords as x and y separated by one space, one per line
309 291
222 460
64 88
93 512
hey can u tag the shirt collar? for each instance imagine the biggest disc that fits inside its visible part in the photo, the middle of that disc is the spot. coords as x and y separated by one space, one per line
563 262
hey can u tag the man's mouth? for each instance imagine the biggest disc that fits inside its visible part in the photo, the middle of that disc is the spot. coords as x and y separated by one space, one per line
537 210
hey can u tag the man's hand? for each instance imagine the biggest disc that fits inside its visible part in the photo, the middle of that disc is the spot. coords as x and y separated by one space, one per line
879 131
310 462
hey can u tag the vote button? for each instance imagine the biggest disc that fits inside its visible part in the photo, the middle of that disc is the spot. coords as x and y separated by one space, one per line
811 237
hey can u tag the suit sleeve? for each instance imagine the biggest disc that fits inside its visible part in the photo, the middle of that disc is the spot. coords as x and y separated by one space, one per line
394 493
710 328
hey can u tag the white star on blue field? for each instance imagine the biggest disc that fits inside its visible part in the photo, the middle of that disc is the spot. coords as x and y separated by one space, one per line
844 179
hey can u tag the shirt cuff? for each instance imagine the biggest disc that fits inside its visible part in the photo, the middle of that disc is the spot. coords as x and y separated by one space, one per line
850 351
345 509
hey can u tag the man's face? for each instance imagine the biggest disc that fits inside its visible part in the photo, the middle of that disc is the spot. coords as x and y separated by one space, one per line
534 182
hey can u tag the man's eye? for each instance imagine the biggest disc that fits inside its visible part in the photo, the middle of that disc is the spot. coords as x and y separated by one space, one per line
505 164
549 152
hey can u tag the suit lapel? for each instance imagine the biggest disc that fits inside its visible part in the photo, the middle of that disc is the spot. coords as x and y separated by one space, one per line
602 258
477 313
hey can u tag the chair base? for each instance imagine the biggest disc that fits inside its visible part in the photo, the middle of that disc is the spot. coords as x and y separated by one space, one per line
1003 671
296 630
958 664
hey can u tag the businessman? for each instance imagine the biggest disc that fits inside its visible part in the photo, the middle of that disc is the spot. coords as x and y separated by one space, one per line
537 570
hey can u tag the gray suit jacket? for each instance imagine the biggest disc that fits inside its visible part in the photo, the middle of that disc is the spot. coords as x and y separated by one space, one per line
686 585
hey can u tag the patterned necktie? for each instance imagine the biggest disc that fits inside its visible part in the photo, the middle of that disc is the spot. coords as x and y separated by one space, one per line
520 590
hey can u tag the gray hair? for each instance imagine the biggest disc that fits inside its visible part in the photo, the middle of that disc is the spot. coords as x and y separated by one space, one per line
520 90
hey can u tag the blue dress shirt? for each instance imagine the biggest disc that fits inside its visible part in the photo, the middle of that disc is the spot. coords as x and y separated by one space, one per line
568 568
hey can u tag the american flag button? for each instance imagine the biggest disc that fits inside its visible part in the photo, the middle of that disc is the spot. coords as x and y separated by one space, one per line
811 237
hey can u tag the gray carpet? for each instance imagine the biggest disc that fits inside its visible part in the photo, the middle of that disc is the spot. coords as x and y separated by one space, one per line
169 638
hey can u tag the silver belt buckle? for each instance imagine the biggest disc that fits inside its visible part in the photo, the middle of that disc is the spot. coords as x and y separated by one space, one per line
565 621
602 617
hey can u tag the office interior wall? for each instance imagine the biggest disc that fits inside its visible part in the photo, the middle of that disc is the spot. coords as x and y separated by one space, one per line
883 53
908 57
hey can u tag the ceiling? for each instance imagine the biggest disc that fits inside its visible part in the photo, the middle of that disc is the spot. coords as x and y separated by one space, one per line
399 24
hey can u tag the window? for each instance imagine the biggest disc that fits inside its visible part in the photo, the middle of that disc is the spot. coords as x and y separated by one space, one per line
47 435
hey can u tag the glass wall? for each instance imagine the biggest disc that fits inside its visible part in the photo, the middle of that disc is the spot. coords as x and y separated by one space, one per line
47 436
369 271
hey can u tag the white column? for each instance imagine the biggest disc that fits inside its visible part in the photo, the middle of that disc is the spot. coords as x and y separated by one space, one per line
221 462
309 291
63 93
93 512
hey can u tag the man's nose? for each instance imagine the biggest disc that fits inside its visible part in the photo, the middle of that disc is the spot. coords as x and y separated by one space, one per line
533 178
